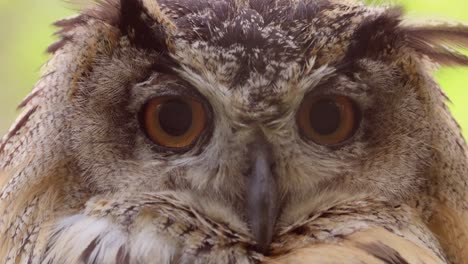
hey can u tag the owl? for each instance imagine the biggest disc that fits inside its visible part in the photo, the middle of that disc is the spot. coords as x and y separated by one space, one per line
238 131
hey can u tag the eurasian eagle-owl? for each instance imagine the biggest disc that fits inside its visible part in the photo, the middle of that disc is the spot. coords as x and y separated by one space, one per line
238 131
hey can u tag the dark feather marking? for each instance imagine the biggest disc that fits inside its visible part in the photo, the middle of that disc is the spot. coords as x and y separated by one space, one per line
244 33
36 91
274 10
141 29
85 256
27 241
300 230
307 10
53 239
190 228
17 127
122 256
164 64
169 222
65 25
59 44
383 252
222 24
374 35
204 247
270 14
70 22
181 8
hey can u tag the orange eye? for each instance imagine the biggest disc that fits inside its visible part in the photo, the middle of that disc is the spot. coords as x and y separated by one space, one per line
328 120
174 121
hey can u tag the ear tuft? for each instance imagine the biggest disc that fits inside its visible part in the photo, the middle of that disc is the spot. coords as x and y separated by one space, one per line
438 42
375 35
145 25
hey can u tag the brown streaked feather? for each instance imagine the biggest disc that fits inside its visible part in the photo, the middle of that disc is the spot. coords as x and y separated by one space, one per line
59 44
69 23
372 246
452 34
17 126
65 26
440 54
47 193
438 42
37 90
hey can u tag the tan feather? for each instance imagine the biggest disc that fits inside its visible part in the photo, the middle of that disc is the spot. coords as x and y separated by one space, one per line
451 228
371 246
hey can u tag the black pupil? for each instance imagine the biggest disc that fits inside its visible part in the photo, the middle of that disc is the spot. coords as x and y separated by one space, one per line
175 117
325 117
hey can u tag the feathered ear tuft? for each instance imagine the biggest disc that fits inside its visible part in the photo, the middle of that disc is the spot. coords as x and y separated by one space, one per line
144 23
438 42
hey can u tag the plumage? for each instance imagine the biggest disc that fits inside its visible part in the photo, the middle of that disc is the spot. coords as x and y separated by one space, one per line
95 170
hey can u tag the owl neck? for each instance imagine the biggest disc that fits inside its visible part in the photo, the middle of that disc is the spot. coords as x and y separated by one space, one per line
448 172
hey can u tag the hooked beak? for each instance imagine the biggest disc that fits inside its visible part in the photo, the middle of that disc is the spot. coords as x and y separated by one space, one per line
262 194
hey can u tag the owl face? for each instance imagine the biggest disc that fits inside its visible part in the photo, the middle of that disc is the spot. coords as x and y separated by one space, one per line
263 107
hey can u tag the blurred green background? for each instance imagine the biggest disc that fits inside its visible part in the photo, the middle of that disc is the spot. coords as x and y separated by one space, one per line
25 32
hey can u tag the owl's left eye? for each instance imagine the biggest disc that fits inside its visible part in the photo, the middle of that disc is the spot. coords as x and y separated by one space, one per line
173 121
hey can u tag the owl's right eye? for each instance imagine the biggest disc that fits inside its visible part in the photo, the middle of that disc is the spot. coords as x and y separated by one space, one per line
174 121
328 120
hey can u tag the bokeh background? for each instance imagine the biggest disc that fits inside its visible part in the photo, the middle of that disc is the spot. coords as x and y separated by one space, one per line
26 31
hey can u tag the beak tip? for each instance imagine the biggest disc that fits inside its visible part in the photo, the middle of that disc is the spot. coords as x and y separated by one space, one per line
263 244
264 250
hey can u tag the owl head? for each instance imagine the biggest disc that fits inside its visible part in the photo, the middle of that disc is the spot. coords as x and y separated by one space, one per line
268 109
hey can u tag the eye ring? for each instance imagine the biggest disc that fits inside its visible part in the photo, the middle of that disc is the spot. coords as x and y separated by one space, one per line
174 121
328 120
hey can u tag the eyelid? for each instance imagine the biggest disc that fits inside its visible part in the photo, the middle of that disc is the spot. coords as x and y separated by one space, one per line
340 84
140 93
